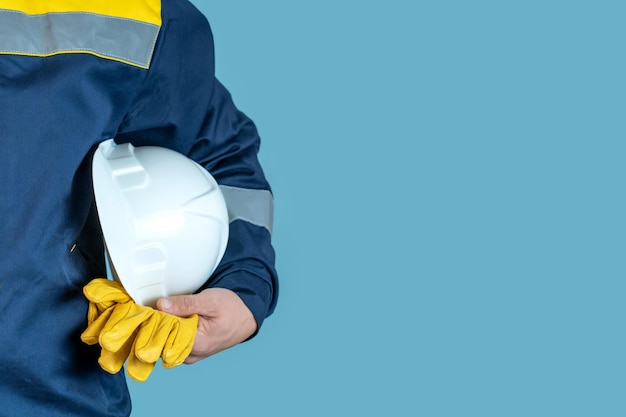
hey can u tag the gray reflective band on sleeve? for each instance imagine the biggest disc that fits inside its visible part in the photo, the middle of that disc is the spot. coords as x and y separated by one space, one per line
252 206
125 40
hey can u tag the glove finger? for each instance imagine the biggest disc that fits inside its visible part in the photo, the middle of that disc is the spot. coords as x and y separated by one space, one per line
92 313
96 309
91 334
102 290
137 369
153 335
105 305
112 361
122 324
180 342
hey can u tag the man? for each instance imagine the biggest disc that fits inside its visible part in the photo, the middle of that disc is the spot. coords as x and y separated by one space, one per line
73 74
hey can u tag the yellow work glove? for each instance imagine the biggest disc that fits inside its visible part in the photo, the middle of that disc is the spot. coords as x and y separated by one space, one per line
135 334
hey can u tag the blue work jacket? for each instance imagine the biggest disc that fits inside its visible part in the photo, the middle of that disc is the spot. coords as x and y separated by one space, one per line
72 74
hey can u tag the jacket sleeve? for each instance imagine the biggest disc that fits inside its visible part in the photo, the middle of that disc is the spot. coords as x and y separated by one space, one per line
181 105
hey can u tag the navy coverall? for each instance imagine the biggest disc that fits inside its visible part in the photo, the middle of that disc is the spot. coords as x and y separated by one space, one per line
72 74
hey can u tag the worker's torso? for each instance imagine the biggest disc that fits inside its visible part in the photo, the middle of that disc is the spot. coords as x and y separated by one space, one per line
69 71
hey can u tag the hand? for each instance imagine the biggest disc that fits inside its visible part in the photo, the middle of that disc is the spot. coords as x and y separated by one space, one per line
224 320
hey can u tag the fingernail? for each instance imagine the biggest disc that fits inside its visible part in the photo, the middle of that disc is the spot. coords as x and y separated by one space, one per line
166 303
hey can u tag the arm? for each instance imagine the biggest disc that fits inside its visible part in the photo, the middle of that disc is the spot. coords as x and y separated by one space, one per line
184 107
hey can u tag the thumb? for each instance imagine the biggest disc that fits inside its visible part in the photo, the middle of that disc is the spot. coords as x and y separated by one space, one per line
178 305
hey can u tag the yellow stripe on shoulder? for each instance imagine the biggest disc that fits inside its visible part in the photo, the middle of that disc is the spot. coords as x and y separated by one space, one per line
148 11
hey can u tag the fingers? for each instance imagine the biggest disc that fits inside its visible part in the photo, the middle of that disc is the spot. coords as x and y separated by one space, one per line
223 320
179 305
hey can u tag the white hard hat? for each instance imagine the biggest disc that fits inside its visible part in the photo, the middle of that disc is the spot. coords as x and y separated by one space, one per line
163 217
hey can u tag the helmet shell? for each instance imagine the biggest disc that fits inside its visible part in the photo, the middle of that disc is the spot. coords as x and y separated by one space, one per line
163 217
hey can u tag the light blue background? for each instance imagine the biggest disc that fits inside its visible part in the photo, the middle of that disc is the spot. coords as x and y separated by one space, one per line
449 189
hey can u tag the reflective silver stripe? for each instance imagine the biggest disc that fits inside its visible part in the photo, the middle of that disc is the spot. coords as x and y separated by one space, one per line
125 40
252 206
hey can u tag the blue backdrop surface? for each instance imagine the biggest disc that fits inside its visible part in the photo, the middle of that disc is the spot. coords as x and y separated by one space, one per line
449 226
